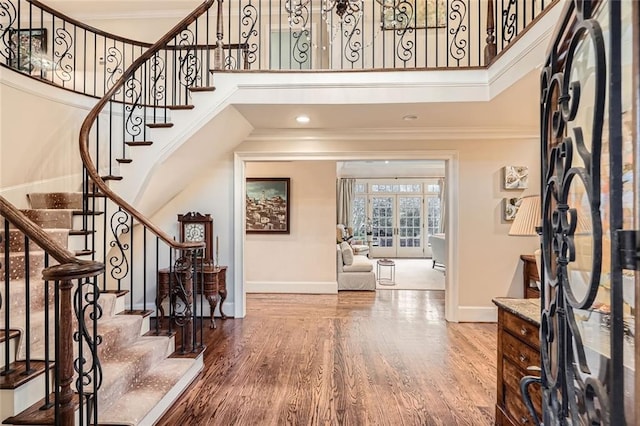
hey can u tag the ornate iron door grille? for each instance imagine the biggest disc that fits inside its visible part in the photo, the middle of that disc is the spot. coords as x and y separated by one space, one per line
589 182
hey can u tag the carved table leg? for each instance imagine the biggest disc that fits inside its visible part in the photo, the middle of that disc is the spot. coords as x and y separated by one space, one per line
213 300
223 295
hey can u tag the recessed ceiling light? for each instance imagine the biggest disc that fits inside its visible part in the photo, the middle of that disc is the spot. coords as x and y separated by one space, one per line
303 119
386 162
410 117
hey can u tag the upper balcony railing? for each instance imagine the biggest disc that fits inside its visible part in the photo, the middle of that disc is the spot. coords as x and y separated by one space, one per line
375 34
271 35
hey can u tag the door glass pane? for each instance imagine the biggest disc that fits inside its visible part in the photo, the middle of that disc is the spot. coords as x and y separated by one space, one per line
382 216
359 217
433 215
410 224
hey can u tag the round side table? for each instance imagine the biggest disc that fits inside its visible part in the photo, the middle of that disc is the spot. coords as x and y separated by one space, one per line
382 263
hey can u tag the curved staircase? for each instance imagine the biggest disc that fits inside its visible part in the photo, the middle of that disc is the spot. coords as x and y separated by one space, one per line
141 376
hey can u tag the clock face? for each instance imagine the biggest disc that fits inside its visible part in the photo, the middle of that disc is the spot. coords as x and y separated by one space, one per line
194 232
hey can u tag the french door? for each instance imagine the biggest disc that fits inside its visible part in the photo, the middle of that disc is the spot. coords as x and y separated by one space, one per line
398 225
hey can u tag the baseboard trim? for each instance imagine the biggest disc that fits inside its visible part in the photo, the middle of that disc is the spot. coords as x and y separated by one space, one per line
312 287
477 314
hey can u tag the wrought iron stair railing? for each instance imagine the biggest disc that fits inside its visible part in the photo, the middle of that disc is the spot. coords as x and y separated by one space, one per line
69 298
133 248
273 35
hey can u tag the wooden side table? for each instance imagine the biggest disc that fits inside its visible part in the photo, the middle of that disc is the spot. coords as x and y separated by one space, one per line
530 276
214 289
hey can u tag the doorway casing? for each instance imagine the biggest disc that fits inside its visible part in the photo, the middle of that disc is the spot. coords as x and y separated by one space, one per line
450 157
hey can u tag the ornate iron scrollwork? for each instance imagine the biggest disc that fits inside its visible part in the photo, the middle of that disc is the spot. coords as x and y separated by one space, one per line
114 60
119 227
510 21
404 14
8 14
458 44
249 32
353 33
189 63
182 292
576 386
157 78
62 52
133 107
298 20
87 310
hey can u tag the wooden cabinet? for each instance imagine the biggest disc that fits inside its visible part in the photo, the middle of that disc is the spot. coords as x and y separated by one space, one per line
518 349
530 276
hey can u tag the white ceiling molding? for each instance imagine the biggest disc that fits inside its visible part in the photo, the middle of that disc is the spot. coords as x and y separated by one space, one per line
448 133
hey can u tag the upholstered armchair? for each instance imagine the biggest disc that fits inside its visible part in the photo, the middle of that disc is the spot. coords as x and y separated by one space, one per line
346 234
438 252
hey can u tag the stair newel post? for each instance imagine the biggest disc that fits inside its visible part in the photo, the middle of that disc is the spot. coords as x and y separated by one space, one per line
490 50
64 358
218 58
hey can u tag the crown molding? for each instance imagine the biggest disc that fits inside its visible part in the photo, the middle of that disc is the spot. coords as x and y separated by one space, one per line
431 133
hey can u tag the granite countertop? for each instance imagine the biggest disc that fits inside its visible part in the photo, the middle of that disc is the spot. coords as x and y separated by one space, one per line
527 309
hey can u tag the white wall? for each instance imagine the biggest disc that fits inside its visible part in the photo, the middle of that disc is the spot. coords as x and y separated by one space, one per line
42 133
302 261
488 257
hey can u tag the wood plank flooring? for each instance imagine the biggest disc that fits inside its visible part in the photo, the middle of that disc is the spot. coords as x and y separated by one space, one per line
356 358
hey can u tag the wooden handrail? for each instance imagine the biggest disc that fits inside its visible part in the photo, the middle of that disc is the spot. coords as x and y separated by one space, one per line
95 112
70 266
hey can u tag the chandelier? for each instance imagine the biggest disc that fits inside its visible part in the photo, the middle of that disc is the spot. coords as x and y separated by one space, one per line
341 7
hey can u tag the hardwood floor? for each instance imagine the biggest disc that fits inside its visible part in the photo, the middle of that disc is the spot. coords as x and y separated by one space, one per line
356 358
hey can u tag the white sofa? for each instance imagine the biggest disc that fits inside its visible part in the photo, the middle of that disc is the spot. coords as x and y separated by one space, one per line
358 275
438 252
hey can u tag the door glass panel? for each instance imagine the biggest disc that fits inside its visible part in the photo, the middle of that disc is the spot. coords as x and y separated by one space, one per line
382 217
358 217
410 222
433 215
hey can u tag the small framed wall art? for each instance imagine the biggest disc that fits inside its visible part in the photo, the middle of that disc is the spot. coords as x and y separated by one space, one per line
516 177
510 209
267 206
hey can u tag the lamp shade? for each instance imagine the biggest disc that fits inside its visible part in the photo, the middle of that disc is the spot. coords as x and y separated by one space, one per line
527 218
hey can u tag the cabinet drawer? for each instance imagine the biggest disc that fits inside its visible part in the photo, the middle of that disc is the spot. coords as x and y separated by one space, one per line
520 354
515 408
526 331
511 376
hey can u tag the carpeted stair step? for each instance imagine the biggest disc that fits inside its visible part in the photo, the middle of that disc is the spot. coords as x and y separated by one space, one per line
123 368
17 265
17 301
147 399
51 218
16 239
55 200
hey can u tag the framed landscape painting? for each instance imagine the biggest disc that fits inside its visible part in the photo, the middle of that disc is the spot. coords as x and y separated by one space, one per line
267 206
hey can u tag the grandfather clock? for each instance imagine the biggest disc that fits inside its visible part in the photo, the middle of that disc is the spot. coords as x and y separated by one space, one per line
195 228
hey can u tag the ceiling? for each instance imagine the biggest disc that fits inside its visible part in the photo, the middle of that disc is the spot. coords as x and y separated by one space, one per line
497 113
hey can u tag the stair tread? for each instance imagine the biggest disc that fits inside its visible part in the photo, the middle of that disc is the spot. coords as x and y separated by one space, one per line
111 177
17 378
86 213
34 415
202 89
180 107
12 335
81 232
83 252
159 125
139 143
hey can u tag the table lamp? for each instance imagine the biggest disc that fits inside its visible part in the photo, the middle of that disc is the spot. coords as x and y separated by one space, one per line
526 223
